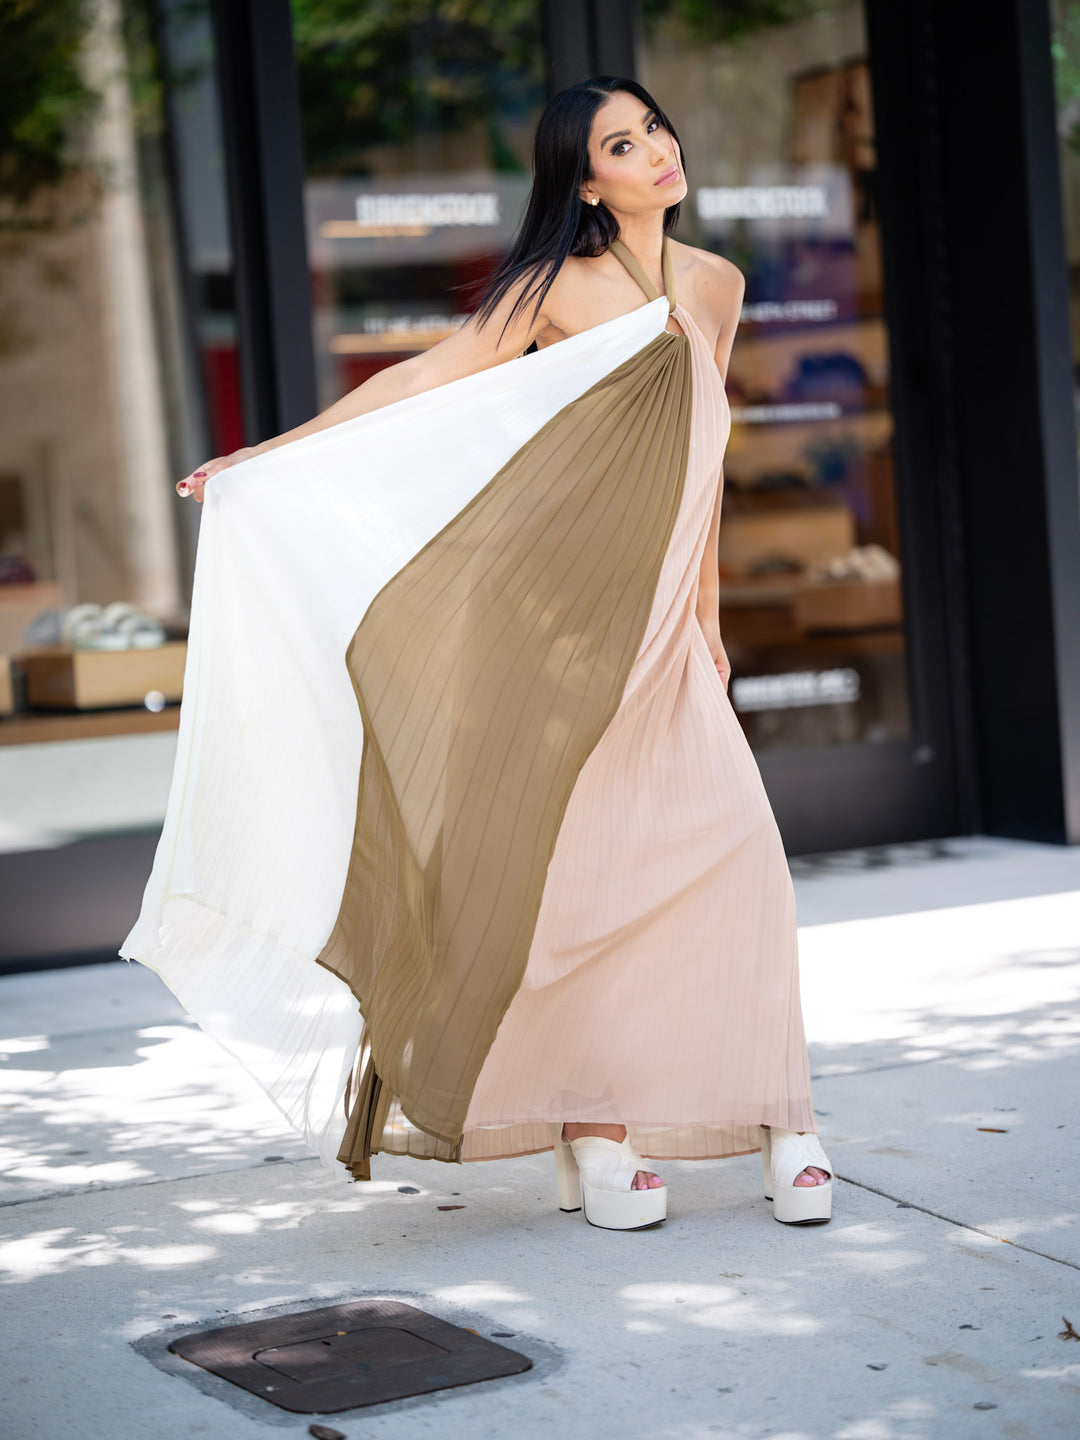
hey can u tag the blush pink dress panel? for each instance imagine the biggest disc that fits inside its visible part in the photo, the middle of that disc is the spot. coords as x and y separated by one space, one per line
662 986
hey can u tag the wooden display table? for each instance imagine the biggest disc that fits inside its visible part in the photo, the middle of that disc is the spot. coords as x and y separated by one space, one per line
87 725
59 678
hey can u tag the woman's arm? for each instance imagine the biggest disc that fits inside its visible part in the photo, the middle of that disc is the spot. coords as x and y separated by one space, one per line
708 596
727 286
467 351
731 286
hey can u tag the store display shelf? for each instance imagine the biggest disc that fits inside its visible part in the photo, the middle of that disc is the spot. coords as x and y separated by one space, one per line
773 591
32 729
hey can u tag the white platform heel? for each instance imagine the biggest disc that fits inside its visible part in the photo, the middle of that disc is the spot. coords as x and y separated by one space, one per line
784 1155
597 1176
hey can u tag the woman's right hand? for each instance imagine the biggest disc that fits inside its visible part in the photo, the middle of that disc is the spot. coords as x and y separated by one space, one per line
193 484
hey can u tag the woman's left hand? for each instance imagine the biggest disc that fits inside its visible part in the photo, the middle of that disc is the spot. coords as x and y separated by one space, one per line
711 630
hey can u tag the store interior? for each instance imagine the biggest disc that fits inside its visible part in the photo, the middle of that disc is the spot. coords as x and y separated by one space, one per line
119 367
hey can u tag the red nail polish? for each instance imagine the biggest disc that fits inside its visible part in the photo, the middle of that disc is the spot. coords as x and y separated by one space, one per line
199 473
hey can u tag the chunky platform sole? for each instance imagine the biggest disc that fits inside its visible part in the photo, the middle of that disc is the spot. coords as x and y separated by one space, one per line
605 1163
784 1156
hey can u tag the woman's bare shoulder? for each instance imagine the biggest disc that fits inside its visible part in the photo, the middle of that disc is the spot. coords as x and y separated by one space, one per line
712 289
580 278
713 278
585 292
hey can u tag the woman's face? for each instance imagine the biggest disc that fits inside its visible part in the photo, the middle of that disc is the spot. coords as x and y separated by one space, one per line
636 164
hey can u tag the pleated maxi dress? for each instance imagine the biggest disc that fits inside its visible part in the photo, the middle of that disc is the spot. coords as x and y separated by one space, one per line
464 838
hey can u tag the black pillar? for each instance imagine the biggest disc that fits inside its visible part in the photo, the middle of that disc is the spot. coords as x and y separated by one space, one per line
588 37
264 164
1007 290
970 177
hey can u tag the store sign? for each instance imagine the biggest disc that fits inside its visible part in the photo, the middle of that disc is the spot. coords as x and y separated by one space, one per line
384 334
415 219
428 212
762 202
786 414
796 689
795 312
779 201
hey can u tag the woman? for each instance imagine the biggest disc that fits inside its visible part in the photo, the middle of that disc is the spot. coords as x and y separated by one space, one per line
554 886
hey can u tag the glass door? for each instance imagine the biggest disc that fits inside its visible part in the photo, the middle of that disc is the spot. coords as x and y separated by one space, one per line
775 109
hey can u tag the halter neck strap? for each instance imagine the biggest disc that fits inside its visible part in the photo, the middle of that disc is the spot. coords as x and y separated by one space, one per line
634 270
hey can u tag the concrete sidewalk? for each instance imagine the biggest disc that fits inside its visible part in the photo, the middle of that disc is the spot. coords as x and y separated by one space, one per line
149 1189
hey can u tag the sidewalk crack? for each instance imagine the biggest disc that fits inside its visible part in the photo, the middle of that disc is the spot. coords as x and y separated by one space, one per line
960 1224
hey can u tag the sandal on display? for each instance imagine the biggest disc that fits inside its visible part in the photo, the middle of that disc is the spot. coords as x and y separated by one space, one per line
597 1176
83 627
120 626
784 1155
140 631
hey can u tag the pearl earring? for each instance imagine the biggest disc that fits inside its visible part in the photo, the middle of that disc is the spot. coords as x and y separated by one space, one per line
595 200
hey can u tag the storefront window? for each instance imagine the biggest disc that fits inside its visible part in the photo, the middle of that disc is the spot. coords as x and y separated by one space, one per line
1065 20
417 123
117 375
773 104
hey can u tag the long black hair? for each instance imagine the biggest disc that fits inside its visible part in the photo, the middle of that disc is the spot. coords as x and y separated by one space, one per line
557 222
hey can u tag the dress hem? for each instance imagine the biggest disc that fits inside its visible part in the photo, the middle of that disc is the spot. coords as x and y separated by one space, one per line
666 1160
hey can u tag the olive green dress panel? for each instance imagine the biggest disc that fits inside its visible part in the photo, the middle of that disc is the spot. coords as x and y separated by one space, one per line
486 671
